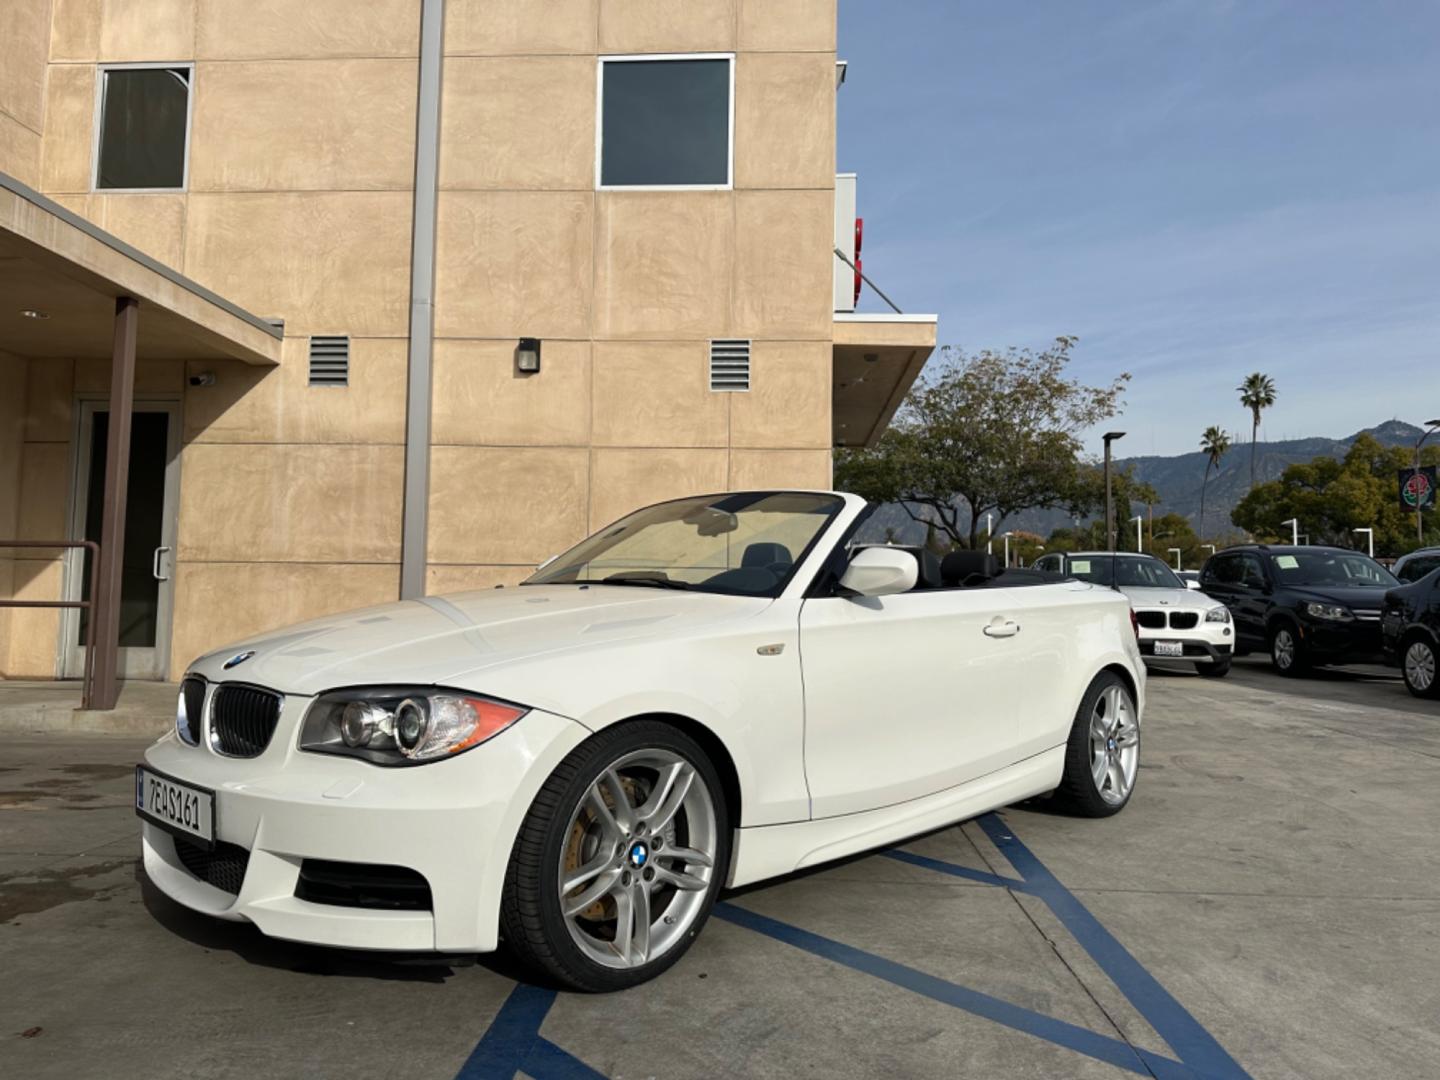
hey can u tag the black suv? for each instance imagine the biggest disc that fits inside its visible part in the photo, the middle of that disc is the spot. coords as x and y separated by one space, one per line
1304 605
1410 626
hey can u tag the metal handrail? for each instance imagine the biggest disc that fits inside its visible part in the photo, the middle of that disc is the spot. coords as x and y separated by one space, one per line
87 683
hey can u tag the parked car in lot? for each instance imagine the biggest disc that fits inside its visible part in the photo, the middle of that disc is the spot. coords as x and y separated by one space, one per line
1176 623
1410 631
1416 564
711 691
1306 606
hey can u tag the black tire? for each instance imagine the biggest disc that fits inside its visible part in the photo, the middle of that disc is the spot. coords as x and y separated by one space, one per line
531 921
1289 660
1415 651
1077 793
1217 669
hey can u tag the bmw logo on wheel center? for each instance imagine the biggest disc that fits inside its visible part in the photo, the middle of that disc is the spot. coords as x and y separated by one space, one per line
639 855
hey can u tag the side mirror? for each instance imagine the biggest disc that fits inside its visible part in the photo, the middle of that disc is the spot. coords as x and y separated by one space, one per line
880 571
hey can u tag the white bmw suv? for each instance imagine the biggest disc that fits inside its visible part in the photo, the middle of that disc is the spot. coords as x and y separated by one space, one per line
1176 623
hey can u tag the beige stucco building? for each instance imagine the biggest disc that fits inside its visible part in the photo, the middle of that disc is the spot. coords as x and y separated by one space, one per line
646 188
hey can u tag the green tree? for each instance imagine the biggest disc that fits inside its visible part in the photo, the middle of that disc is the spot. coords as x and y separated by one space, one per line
988 433
1216 444
1127 493
1257 393
1332 498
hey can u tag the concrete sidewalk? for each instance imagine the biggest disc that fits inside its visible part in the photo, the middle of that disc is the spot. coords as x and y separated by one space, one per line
143 708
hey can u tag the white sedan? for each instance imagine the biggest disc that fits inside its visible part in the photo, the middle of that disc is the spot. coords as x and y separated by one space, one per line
709 692
1176 621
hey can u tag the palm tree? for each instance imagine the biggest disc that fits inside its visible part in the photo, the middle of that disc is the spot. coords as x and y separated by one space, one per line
1216 445
1257 393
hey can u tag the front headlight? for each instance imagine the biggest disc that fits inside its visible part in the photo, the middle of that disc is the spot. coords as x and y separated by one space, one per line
1334 612
400 725
1218 614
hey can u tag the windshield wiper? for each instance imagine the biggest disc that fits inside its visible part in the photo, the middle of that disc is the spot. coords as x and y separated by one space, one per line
631 578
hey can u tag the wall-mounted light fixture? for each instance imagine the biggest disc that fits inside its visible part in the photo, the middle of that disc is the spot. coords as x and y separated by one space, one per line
31 313
527 356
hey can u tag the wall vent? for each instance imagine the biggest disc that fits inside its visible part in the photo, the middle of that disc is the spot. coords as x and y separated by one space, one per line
730 365
329 360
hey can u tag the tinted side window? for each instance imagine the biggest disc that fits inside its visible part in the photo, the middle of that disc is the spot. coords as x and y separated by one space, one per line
1415 569
1222 570
1251 572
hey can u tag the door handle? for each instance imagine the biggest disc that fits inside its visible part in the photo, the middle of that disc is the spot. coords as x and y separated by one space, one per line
1002 628
155 564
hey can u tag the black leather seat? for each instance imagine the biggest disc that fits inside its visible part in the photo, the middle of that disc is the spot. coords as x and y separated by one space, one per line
965 568
768 556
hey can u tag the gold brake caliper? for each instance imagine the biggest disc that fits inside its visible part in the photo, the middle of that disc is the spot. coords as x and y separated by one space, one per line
604 908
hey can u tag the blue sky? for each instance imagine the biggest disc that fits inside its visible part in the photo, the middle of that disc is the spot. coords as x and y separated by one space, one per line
1196 189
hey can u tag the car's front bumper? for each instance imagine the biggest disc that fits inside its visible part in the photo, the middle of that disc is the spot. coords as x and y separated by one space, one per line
453 822
1356 641
1205 643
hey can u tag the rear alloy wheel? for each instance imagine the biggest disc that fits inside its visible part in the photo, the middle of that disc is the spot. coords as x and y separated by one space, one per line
1102 757
1418 667
1216 669
619 860
1287 655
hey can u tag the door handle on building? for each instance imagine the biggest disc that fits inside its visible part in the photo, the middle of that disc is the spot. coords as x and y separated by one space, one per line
155 564
999 627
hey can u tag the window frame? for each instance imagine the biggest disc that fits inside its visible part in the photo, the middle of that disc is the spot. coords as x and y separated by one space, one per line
101 71
630 58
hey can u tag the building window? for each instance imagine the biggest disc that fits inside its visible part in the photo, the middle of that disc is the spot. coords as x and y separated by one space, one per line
666 121
143 128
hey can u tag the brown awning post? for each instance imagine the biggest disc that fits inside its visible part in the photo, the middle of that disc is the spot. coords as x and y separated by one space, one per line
112 515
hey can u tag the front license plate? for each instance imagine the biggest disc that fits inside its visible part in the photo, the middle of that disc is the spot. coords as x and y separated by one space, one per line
1169 648
177 807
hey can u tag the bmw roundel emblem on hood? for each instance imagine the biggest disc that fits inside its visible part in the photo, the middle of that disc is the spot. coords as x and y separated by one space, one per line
238 659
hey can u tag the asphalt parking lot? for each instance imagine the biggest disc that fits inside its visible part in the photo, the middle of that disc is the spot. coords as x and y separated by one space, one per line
1268 905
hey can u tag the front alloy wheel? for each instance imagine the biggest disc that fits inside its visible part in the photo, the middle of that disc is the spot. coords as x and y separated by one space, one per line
1418 666
619 860
1286 653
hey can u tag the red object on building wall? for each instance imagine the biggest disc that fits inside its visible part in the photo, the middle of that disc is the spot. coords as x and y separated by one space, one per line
859 238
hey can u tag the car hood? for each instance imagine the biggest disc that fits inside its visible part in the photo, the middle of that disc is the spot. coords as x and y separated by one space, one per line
1352 597
1177 599
440 638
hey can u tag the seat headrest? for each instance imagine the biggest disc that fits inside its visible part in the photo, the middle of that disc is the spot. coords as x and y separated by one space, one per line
968 567
764 553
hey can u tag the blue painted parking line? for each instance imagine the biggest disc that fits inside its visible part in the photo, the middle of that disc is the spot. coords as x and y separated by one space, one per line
984 877
1171 1021
513 1044
1062 1033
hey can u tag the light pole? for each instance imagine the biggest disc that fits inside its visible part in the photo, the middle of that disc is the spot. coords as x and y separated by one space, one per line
1006 537
1210 546
1430 428
1139 543
1294 531
1176 553
1109 437
1369 536
989 539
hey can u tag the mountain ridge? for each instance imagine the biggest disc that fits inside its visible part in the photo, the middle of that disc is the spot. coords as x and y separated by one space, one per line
1177 479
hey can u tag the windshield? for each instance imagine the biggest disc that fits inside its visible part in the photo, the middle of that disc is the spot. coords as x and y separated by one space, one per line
745 545
1331 568
1124 570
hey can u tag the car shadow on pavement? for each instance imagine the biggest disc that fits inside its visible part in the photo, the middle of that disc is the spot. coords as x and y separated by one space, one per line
245 940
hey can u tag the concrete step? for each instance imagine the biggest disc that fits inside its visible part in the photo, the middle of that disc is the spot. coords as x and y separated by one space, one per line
143 708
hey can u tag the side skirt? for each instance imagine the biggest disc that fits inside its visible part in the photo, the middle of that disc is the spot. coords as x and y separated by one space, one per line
767 851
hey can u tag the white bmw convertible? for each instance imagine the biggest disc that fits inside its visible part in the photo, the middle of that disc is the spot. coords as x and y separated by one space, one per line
709 692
